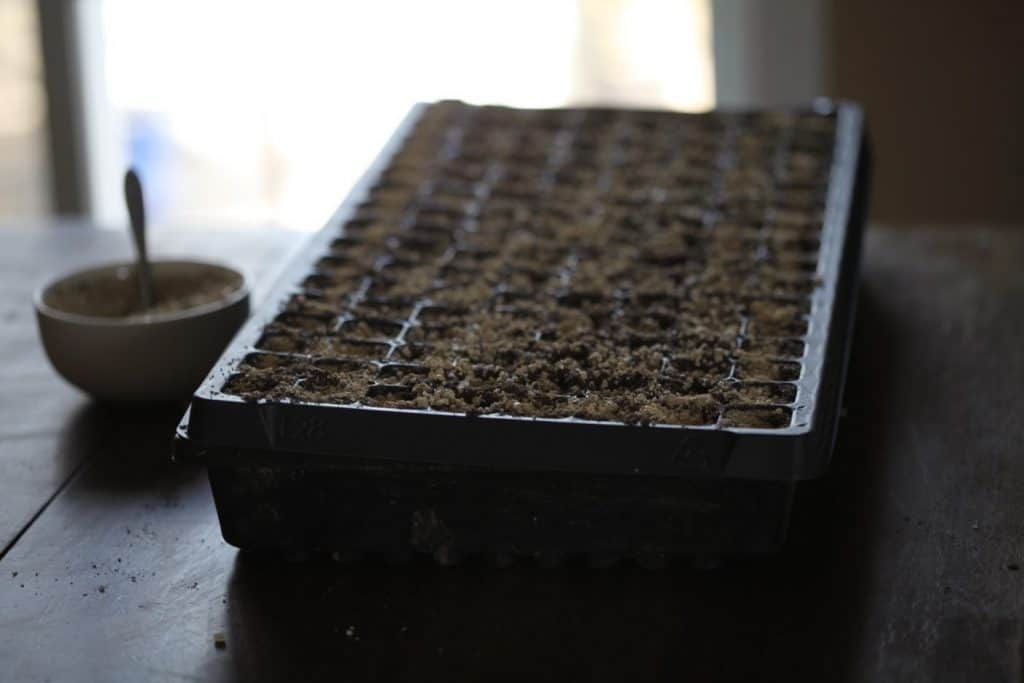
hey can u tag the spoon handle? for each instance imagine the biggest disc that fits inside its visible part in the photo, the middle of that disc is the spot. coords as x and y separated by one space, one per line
137 214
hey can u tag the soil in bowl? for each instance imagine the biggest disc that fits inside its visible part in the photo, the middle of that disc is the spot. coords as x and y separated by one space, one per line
114 293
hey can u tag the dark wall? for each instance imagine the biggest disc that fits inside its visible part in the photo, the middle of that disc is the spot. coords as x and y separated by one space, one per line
943 85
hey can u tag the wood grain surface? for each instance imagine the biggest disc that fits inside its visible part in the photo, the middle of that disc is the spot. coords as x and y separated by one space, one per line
904 564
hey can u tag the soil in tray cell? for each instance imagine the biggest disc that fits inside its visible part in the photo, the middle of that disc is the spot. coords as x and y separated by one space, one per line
604 265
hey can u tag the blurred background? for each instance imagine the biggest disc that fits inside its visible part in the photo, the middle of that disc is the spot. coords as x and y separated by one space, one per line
264 112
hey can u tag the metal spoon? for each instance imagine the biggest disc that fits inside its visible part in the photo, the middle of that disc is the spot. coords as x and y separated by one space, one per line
137 214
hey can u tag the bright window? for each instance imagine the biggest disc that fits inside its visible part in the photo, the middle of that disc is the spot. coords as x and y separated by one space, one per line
265 112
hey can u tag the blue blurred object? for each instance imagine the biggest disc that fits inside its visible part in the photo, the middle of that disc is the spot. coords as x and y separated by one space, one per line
151 153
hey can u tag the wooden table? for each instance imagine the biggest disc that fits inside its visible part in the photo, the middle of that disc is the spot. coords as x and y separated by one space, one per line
906 564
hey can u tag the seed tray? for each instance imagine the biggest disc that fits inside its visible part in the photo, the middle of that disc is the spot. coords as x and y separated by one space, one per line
592 299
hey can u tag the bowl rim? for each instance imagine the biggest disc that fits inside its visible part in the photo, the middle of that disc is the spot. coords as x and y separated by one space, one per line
140 320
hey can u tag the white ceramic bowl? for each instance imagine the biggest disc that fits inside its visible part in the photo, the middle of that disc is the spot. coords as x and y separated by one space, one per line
160 356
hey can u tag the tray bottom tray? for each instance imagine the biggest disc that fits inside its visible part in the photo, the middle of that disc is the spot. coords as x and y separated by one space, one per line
350 507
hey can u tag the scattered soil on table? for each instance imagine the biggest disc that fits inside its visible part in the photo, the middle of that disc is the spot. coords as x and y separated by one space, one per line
595 264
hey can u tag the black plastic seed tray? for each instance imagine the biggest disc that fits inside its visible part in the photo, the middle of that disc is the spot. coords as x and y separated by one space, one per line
551 332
